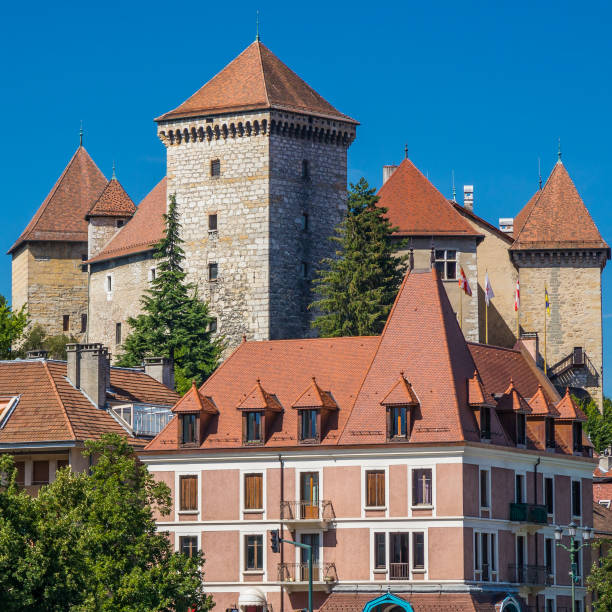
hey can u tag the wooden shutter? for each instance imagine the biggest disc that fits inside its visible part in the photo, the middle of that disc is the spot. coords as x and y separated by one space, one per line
189 493
40 472
253 491
375 492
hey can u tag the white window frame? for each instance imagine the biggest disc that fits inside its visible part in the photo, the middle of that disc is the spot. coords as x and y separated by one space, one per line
554 602
244 510
446 259
177 494
411 505
264 555
364 496
389 530
298 480
298 549
478 572
178 535
486 508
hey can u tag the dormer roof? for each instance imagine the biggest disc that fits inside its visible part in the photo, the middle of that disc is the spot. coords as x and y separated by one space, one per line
540 406
255 80
513 401
315 397
259 399
113 202
568 409
193 401
400 394
556 217
477 395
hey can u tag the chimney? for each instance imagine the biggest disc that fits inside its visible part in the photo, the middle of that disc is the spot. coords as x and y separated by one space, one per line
605 463
387 172
161 369
468 197
37 354
532 344
506 225
89 370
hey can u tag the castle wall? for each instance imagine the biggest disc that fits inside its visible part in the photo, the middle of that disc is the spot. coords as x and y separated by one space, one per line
19 277
466 259
129 280
56 284
574 289
99 231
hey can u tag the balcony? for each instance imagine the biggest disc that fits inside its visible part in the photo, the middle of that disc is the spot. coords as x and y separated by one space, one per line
144 420
531 516
531 578
399 571
294 576
307 514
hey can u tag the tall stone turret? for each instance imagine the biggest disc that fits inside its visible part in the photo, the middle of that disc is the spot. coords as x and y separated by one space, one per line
558 248
257 161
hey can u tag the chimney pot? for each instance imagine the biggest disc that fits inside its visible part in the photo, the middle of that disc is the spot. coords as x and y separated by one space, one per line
88 369
37 354
387 172
161 369
468 197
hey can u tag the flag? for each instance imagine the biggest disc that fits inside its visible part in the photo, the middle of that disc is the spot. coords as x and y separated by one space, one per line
463 283
547 301
517 296
488 289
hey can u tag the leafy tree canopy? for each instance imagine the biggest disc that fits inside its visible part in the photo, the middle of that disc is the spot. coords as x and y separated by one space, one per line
175 322
36 338
357 288
599 424
600 579
12 325
89 543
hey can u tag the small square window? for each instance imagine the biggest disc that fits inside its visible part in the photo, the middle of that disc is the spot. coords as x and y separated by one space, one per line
66 323
188 545
446 264
215 167
212 222
120 222
213 272
83 323
84 257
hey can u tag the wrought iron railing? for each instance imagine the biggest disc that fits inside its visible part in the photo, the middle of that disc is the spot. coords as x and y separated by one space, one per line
534 575
307 510
298 572
528 513
399 571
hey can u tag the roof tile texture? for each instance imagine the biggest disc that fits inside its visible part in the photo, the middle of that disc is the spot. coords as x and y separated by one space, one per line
113 202
420 602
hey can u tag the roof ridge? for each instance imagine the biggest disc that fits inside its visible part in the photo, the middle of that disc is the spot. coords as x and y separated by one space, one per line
493 346
539 192
59 398
263 72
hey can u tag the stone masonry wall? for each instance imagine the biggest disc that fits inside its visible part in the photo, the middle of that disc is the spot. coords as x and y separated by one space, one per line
19 277
129 280
99 232
466 259
574 289
56 284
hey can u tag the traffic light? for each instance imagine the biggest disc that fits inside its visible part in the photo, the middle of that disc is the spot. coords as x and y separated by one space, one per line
275 541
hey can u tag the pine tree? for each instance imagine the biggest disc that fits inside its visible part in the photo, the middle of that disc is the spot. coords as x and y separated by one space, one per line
174 323
356 290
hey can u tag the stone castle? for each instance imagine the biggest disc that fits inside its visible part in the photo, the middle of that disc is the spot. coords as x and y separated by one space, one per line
258 163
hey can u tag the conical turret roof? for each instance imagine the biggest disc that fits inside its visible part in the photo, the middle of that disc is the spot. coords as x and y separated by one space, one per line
113 202
255 80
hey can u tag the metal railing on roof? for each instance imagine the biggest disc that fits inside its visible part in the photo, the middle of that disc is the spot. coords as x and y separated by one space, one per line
144 420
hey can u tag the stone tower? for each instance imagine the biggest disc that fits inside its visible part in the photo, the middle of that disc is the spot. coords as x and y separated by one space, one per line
257 161
559 248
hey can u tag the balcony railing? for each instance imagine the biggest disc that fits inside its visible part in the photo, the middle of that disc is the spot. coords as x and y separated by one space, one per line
532 575
528 513
143 419
307 511
298 572
399 571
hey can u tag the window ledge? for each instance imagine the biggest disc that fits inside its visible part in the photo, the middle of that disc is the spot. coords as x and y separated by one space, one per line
422 507
379 570
253 572
420 570
375 507
188 511
253 510
485 508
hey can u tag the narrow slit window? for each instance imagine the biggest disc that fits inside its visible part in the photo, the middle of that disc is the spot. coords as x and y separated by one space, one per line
305 169
380 550
83 323
109 283
418 550
212 222
117 333
213 272
66 323
215 167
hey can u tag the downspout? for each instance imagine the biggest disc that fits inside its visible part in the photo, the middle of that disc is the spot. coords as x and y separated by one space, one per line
535 535
282 548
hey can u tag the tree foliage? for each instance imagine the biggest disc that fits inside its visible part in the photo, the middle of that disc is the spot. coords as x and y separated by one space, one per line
89 543
36 339
599 424
175 322
600 579
12 325
357 288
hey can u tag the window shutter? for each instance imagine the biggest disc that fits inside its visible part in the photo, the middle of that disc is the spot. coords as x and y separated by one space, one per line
253 494
189 494
380 489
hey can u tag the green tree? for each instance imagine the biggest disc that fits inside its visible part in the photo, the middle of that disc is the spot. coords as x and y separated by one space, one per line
89 543
12 325
599 424
600 579
356 290
174 323
36 338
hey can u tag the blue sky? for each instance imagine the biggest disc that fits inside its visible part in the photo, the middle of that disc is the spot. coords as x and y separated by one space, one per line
483 88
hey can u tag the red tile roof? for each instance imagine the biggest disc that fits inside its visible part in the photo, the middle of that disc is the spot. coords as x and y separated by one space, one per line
400 394
194 401
259 399
477 396
512 401
602 520
568 409
61 217
541 406
113 202
315 397
51 409
142 231
556 217
255 80
417 208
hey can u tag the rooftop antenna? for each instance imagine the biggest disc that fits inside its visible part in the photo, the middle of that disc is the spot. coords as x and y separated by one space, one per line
539 174
454 190
81 135
114 175
406 150
257 27
559 151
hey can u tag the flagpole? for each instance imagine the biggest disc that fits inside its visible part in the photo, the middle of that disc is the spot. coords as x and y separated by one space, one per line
461 309
486 324
545 294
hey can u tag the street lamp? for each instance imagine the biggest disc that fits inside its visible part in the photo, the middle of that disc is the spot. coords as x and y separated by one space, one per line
573 549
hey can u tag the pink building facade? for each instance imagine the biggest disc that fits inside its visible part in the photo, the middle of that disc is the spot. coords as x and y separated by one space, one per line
411 462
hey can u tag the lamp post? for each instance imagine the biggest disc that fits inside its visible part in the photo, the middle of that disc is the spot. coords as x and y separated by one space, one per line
573 549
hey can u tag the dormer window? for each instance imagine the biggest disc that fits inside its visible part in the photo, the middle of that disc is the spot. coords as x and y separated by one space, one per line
550 433
521 430
398 424
189 428
577 436
485 423
309 429
254 431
